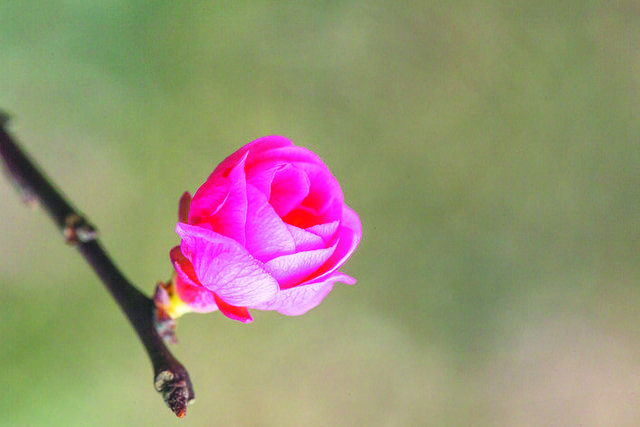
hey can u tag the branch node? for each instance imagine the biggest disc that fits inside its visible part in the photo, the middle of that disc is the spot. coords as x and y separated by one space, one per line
78 230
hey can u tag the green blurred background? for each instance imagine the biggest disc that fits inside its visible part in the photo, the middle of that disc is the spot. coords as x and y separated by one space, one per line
490 148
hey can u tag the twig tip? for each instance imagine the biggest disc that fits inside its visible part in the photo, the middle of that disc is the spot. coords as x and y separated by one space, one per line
176 392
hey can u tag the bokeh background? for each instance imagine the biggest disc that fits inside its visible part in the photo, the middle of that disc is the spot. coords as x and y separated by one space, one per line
490 148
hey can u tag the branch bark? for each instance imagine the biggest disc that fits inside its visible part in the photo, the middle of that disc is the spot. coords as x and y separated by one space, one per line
171 378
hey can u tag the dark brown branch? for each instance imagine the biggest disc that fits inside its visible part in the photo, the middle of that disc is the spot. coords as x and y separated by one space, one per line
171 378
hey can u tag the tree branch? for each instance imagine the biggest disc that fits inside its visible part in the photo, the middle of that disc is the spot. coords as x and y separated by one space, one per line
171 378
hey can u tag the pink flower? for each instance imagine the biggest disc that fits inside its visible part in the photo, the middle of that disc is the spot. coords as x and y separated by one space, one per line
268 230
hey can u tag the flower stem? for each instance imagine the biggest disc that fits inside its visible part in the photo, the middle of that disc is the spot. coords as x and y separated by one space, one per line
171 378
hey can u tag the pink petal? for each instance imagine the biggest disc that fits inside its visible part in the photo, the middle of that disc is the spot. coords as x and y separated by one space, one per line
290 186
222 203
182 265
325 231
300 299
302 217
209 199
261 176
306 240
199 298
323 203
256 150
232 312
351 220
285 184
349 237
266 235
290 270
287 154
325 190
223 266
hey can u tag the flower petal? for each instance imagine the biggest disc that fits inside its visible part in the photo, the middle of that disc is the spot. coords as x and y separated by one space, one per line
223 266
285 153
199 298
256 150
232 312
266 235
222 203
209 199
318 207
325 192
290 270
300 299
350 233
289 187
306 240
261 176
326 231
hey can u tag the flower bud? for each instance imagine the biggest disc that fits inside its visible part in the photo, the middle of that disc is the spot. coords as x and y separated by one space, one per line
268 230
